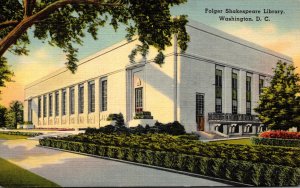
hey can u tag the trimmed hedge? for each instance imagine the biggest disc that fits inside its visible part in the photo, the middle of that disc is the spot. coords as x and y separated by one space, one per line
174 128
280 134
164 142
30 134
258 174
275 142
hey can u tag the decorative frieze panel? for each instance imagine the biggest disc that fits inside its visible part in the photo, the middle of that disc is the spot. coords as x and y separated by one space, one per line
63 120
81 119
91 119
56 121
72 120
51 121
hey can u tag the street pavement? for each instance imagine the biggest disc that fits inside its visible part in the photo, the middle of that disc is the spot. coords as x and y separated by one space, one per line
74 170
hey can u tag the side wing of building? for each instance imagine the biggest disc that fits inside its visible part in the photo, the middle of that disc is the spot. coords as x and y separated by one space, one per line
221 77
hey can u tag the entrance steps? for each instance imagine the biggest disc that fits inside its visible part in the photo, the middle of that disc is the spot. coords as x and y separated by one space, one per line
209 136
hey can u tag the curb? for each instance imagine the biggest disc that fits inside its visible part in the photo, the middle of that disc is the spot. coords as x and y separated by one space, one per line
233 183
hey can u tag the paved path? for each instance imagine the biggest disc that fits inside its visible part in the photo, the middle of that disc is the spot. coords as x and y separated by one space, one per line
73 170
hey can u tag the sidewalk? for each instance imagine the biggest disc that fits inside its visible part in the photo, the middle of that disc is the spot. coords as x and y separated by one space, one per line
73 170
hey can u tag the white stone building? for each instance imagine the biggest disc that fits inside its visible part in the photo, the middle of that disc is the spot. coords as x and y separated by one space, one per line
214 86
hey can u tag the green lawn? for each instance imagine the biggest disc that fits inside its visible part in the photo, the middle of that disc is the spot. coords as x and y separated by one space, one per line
12 175
11 137
244 141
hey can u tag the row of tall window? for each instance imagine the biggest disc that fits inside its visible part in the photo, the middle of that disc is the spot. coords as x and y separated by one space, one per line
63 98
234 81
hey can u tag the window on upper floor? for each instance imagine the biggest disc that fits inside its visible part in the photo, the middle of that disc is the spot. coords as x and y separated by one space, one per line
39 107
103 100
63 102
234 93
248 95
56 103
261 84
91 96
45 106
218 91
72 100
81 98
50 104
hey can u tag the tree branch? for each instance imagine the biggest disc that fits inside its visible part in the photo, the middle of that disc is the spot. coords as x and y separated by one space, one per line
27 22
26 7
8 23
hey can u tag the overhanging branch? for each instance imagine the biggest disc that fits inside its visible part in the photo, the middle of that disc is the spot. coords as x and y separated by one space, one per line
22 26
8 23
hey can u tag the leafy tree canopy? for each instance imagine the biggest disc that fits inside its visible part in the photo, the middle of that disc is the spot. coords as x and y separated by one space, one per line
279 104
63 23
14 115
3 111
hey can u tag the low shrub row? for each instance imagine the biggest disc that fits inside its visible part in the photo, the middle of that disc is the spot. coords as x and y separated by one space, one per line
258 174
163 142
30 134
143 115
275 142
280 134
56 129
174 128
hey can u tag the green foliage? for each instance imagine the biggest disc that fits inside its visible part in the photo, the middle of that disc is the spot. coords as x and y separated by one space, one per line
12 175
163 142
279 104
5 72
3 111
143 115
30 134
116 117
249 172
174 128
275 141
14 115
65 24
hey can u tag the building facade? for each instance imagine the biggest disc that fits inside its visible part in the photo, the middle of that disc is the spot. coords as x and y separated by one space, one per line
214 86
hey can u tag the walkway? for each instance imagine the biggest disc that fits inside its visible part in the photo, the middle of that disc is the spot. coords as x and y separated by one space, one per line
73 170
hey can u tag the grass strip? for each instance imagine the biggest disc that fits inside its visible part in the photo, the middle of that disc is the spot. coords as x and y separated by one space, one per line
11 137
12 175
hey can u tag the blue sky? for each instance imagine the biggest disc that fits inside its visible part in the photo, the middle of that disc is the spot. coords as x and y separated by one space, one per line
281 33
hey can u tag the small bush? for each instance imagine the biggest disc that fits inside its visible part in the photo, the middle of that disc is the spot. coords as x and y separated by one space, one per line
275 142
143 115
30 134
280 134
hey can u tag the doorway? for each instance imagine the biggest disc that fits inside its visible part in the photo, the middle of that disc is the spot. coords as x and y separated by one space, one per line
200 111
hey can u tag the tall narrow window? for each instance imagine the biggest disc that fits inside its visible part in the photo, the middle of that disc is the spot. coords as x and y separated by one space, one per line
103 95
56 103
72 100
261 84
91 96
45 106
200 111
248 95
218 85
39 107
138 99
30 110
81 98
63 102
234 93
50 105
